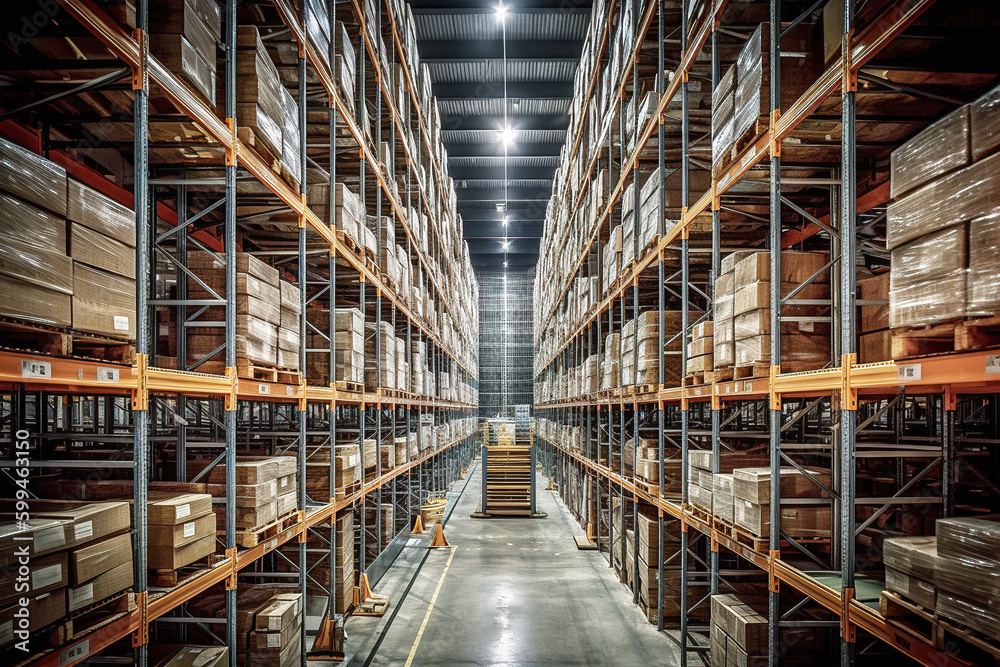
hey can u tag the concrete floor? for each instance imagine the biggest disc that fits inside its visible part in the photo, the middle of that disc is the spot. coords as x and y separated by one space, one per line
516 592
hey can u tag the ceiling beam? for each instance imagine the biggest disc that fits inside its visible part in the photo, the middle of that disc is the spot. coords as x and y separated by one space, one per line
490 7
497 171
498 194
493 49
516 123
496 149
494 89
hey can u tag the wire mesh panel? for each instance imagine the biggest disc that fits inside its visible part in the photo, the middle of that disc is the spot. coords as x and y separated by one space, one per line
505 341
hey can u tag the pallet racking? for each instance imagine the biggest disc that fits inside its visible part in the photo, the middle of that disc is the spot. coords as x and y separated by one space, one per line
791 182
145 410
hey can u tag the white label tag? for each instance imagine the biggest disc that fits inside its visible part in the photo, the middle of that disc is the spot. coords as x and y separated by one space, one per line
46 576
49 539
31 368
747 386
83 531
121 323
274 623
74 653
289 390
80 596
273 640
907 372
107 374
993 363
189 529
263 388
183 510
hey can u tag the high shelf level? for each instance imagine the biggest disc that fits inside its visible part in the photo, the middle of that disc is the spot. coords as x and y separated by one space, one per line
341 197
655 190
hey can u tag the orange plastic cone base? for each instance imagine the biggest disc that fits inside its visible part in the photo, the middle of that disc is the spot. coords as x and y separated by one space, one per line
438 541
418 527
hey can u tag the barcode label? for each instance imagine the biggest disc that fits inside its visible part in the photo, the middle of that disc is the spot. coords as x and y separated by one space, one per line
908 372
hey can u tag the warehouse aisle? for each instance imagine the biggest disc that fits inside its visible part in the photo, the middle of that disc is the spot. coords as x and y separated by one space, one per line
512 592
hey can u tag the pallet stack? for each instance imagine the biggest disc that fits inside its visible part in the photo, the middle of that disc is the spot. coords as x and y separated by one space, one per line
349 341
380 356
611 377
942 230
752 502
90 287
805 345
258 94
185 36
265 492
181 530
275 640
259 317
700 357
876 339
739 634
723 326
79 556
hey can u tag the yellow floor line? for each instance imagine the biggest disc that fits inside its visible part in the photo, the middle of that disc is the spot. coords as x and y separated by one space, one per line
430 608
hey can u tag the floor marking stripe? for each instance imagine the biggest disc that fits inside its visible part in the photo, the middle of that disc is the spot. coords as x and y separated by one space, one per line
430 608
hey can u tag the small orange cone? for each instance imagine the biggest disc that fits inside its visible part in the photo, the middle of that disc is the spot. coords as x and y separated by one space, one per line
418 527
438 542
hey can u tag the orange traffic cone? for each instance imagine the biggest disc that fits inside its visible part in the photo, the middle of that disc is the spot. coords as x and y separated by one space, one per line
438 542
418 527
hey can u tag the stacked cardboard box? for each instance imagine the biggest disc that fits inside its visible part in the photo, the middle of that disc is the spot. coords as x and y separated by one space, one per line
36 275
380 356
612 258
739 635
346 63
805 345
79 554
265 490
258 92
723 326
910 564
701 482
250 602
876 340
184 36
181 530
967 573
260 299
289 341
291 139
611 375
943 226
275 640
349 345
752 501
699 352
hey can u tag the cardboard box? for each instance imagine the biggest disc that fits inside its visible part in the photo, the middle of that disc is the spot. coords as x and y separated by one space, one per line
277 615
928 278
103 586
171 559
914 589
89 521
796 521
32 177
177 535
939 148
103 303
34 303
96 558
40 535
47 574
754 484
874 318
34 247
200 656
43 610
178 508
96 211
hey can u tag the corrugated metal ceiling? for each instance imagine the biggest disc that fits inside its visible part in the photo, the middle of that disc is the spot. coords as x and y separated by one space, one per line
536 121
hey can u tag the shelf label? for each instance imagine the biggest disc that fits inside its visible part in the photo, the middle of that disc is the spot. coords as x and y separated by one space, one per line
748 386
74 653
993 364
263 388
32 368
908 373
107 374
289 390
748 158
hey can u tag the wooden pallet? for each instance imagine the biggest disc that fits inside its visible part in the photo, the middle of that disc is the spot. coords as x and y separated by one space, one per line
254 371
174 578
695 379
719 375
755 370
970 644
254 536
93 617
344 385
348 241
902 613
750 136
348 490
956 336
64 342
248 136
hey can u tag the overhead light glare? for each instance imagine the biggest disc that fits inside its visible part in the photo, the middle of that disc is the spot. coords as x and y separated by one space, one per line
506 136
501 12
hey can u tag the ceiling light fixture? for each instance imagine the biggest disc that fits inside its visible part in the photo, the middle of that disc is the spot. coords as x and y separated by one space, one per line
506 244
506 135
501 12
